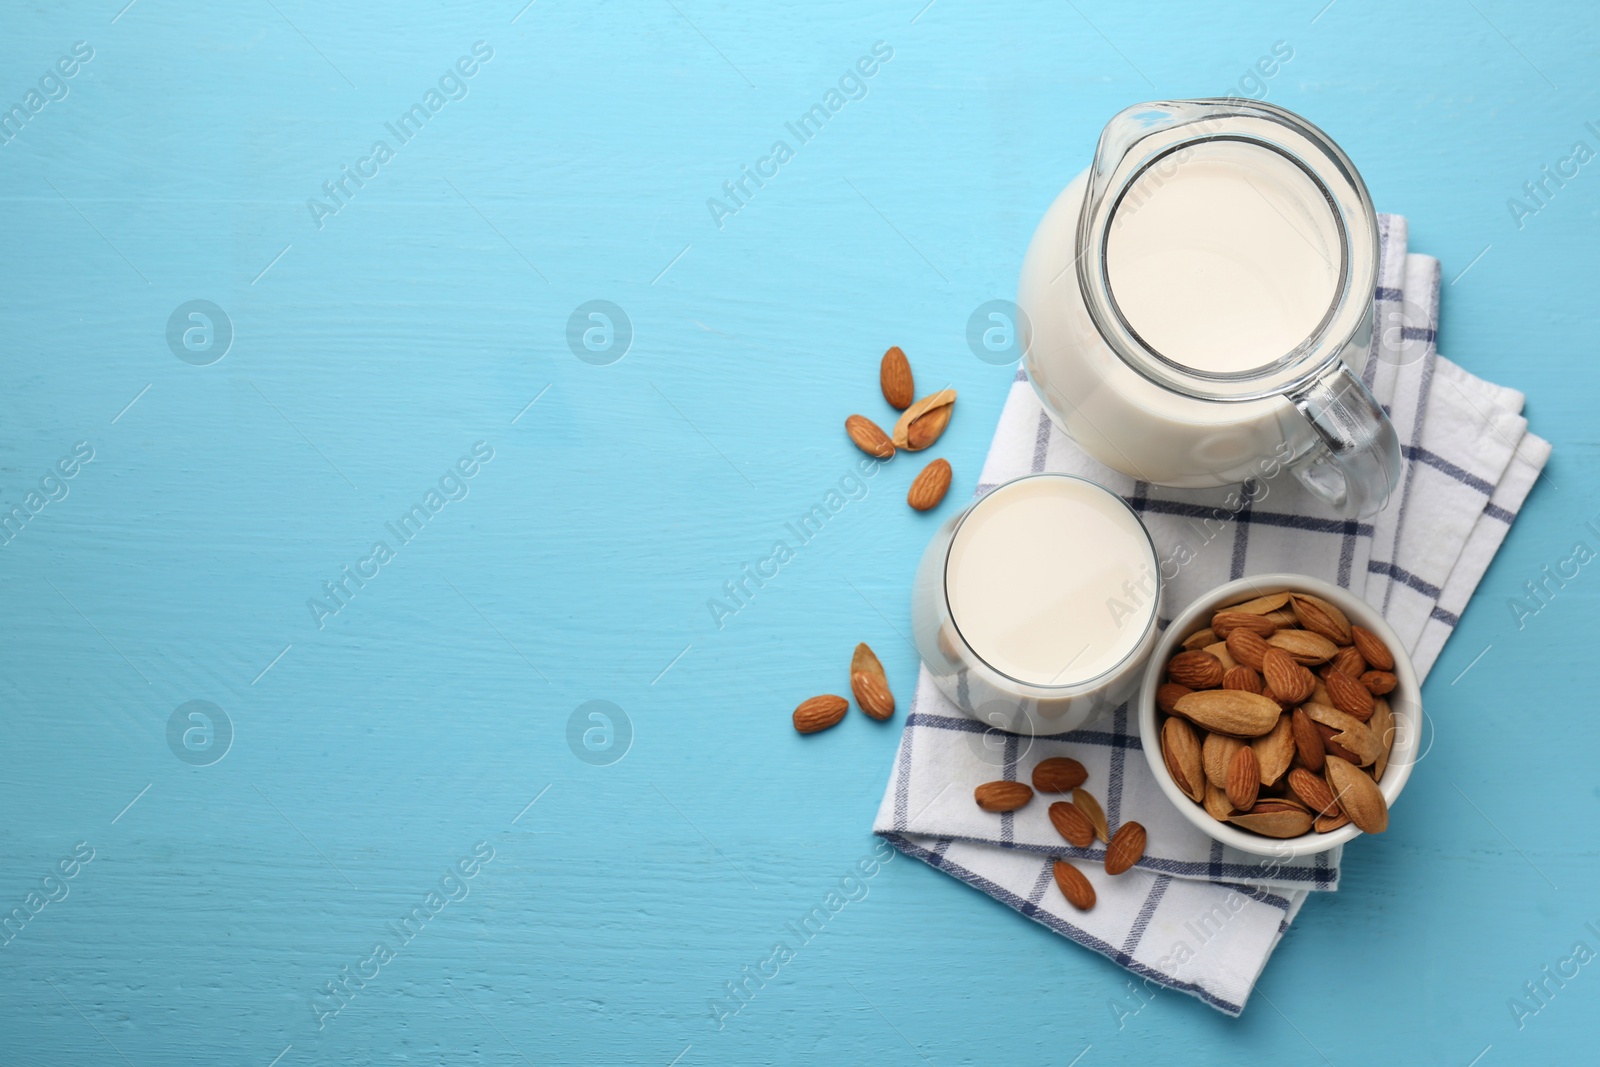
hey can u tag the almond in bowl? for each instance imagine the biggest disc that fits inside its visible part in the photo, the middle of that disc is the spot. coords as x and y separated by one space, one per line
1281 716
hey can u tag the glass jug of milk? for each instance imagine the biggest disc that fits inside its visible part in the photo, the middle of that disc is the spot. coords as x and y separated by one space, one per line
1200 304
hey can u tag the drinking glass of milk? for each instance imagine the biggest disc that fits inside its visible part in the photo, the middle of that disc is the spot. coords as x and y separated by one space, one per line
1034 608
1200 303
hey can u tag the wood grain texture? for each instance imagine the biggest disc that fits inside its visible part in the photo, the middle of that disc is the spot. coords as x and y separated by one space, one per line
370 354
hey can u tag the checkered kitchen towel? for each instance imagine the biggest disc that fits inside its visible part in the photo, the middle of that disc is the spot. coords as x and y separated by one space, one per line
1194 915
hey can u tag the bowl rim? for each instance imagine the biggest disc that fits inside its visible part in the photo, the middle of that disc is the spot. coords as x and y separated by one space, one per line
1402 757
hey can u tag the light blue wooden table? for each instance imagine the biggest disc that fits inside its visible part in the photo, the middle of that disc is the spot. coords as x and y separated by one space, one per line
414 762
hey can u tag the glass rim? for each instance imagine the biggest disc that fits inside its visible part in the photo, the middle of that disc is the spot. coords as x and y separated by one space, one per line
1055 688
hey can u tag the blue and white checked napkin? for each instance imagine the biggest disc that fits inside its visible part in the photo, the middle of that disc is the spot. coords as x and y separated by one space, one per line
1194 915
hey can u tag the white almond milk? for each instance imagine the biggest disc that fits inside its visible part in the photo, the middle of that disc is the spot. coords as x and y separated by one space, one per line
1222 260
1227 263
1051 581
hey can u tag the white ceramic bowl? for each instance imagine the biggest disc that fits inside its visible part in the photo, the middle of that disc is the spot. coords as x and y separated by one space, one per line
1405 702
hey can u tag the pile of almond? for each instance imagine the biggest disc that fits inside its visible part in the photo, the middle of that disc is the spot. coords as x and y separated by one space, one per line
920 424
1258 740
867 682
1079 822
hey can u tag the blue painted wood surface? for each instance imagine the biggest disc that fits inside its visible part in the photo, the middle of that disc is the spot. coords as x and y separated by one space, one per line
382 751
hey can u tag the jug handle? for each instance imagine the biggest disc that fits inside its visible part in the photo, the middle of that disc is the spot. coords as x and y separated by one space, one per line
1355 464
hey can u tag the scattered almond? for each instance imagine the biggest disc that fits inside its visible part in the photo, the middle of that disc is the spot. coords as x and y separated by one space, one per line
921 424
929 486
1071 823
894 377
1058 774
819 713
872 692
1074 885
1085 802
1002 796
869 436
872 695
1126 847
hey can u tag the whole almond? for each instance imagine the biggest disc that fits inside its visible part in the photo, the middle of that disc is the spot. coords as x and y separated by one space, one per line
1085 802
1358 796
1058 774
1308 743
1306 647
869 436
1275 751
1230 711
1326 824
1349 733
1216 803
1197 670
1313 790
894 377
1126 847
1347 659
1349 695
1272 821
1244 779
1216 756
929 486
1071 823
1200 639
1379 683
1225 622
1247 648
1373 650
1382 726
1002 796
1181 753
1167 695
1321 617
1290 681
1074 885
819 713
1242 678
872 694
1261 605
921 424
